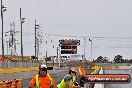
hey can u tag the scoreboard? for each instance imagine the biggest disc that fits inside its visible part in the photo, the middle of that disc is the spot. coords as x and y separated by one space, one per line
69 46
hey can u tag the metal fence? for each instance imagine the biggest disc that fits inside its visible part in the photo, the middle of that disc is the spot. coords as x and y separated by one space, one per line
6 64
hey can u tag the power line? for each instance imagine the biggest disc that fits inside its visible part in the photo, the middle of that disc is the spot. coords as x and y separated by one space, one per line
119 47
59 35
96 37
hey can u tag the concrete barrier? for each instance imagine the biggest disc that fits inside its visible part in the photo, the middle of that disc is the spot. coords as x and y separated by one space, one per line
99 86
125 67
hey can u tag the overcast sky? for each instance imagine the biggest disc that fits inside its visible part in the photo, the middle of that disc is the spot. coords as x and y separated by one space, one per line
110 19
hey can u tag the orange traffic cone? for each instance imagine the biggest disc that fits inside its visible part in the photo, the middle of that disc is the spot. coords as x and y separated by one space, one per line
1 84
19 81
14 84
8 82
5 84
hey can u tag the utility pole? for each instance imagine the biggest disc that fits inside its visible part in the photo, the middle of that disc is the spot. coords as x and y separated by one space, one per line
84 48
46 58
35 39
57 55
37 48
46 52
91 49
3 8
21 37
21 22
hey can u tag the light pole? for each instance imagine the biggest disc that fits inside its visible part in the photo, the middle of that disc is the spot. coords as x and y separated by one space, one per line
57 48
3 8
84 48
37 47
22 20
57 55
46 57
46 42
46 53
91 49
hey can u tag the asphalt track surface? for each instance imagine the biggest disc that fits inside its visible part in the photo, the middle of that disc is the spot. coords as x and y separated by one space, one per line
125 85
27 76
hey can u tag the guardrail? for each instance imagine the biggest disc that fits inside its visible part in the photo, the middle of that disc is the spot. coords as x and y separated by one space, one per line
125 67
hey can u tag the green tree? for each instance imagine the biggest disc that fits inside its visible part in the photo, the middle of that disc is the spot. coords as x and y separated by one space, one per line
118 59
99 59
105 60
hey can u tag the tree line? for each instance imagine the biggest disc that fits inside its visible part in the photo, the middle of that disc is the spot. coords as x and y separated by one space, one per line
117 59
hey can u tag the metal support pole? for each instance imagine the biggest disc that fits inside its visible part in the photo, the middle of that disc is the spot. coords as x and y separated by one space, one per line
59 57
2 29
84 48
35 39
46 58
37 48
91 49
21 36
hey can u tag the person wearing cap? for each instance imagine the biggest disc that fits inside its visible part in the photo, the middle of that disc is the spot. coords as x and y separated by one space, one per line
69 81
42 80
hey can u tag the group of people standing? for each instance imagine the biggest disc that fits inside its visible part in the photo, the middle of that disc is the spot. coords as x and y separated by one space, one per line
44 80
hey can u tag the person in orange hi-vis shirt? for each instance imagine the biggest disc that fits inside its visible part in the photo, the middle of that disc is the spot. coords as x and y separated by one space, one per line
42 80
81 71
